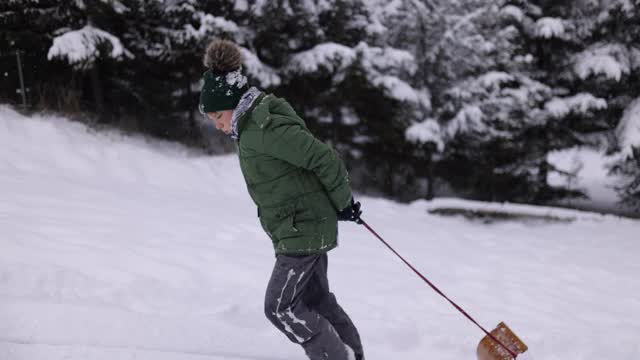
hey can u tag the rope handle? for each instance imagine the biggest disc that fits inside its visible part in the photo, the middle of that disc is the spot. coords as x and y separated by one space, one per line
435 288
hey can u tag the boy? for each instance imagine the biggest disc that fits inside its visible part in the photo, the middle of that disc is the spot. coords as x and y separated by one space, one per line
301 188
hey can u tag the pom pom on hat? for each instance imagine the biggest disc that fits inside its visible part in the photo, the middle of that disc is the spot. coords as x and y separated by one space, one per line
222 56
223 84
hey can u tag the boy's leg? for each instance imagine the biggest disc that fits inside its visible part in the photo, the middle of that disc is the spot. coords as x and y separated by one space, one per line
290 280
320 299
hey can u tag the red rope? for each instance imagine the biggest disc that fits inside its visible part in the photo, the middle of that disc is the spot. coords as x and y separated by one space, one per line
515 355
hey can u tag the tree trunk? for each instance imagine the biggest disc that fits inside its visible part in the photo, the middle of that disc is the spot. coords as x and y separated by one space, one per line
430 177
96 86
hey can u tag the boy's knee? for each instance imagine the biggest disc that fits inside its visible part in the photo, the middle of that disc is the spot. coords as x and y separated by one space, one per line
270 308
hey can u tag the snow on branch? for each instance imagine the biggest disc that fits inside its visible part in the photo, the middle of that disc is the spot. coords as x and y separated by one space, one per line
495 79
379 12
81 47
209 25
386 59
626 6
116 5
265 74
549 27
469 119
330 56
628 131
610 60
400 90
581 103
515 209
386 67
513 12
426 132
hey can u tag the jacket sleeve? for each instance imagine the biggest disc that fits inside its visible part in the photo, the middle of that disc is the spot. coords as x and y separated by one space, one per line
296 145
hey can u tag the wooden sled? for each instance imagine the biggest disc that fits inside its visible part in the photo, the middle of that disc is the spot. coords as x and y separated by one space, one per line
488 349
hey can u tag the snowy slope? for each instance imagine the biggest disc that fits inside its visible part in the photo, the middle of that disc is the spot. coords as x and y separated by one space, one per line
119 248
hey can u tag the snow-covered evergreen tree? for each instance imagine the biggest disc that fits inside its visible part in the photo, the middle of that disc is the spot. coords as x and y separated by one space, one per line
473 93
533 96
615 56
28 26
86 42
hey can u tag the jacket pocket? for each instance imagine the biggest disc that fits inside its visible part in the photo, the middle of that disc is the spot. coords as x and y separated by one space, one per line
295 219
280 222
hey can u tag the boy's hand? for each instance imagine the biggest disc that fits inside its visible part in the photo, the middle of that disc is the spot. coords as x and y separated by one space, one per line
351 213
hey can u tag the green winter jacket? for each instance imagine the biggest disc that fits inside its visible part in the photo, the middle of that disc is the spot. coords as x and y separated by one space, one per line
297 181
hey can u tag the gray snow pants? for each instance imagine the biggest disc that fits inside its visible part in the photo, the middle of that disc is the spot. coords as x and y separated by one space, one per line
298 302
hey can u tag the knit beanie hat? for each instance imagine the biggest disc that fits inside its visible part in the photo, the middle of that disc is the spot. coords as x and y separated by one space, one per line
223 84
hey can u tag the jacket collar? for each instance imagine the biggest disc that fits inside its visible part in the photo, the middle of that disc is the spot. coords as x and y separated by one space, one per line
245 107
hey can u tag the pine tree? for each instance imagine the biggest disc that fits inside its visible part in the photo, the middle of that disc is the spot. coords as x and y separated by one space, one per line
43 18
616 44
526 104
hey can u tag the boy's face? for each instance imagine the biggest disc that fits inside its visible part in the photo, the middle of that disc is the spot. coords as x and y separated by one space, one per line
222 120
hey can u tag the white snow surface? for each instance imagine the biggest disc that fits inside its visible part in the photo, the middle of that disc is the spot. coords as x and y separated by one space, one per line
122 248
81 46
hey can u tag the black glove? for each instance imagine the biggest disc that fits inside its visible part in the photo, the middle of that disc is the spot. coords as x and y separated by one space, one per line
351 213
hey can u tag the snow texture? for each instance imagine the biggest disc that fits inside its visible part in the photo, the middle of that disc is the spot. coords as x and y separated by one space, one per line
387 58
209 25
610 60
117 6
241 6
549 27
468 119
426 132
581 104
266 75
81 47
348 116
380 11
119 248
628 131
384 67
236 78
513 12
330 56
587 170
516 209
495 79
397 89
627 6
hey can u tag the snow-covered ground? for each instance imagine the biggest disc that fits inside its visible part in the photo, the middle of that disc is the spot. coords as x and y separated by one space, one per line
118 248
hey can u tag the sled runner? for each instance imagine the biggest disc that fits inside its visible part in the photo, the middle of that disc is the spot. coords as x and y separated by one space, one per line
488 349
